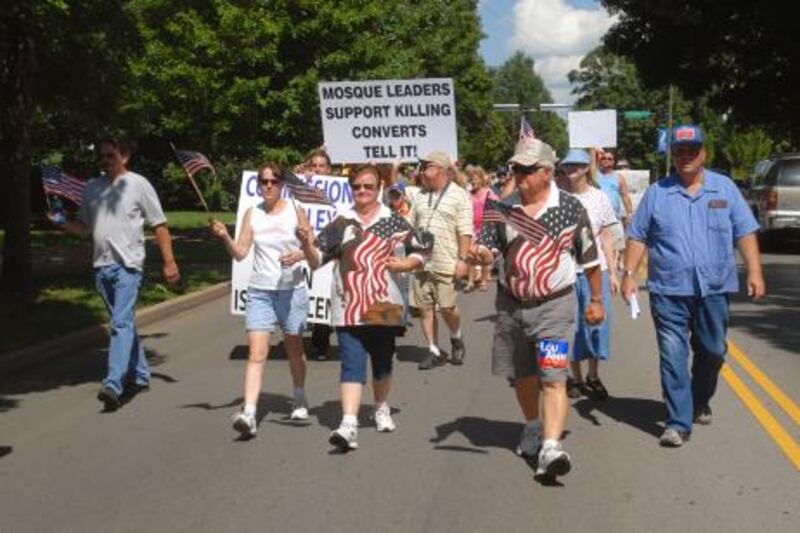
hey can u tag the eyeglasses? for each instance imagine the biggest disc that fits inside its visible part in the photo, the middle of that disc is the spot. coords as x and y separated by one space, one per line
365 186
606 159
268 182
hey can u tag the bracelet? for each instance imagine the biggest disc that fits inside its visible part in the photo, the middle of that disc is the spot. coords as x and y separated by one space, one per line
596 300
627 272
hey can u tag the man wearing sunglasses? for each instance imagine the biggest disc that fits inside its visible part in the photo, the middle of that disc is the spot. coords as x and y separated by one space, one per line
445 210
540 242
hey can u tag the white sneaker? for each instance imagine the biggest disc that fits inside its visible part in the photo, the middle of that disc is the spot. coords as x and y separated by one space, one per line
553 461
299 411
383 419
245 424
344 437
529 441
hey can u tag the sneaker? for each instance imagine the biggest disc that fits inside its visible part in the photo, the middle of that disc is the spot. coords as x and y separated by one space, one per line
703 416
109 397
245 424
430 361
596 389
344 437
553 461
574 388
383 419
529 441
299 411
458 351
673 438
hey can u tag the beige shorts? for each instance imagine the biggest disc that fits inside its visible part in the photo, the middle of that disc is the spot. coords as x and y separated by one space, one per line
433 288
618 235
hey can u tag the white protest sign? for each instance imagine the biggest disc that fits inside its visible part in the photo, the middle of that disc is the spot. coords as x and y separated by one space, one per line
385 119
319 281
592 129
637 181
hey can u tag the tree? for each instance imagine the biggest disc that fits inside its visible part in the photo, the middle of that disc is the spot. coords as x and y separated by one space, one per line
62 64
743 56
516 82
745 148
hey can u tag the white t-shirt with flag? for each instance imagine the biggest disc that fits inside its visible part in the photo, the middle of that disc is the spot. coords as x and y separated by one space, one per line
601 215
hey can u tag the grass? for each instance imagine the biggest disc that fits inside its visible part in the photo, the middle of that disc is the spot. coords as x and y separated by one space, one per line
65 298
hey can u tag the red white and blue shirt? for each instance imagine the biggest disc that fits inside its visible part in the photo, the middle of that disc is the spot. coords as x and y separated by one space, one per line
541 254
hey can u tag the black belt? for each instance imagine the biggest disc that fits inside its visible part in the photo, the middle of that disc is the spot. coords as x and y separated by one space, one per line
527 303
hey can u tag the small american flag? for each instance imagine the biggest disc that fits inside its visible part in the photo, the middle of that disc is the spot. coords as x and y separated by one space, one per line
193 162
515 217
525 130
303 192
56 183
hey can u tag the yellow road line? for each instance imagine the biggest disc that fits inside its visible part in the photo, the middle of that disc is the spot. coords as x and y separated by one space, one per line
767 384
767 421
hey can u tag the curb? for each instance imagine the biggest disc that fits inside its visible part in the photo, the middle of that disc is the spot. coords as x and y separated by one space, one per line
11 362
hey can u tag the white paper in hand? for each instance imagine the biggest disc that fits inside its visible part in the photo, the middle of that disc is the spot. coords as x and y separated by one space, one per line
634 303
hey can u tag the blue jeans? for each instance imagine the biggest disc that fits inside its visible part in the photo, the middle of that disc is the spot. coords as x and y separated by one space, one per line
359 343
683 321
119 288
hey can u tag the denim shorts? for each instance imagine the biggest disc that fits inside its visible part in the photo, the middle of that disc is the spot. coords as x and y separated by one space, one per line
286 308
359 342
592 342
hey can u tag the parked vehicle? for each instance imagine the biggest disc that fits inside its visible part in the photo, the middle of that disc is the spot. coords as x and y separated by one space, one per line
773 193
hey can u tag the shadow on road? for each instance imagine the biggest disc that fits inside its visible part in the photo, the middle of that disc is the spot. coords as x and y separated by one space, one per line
411 354
480 432
5 450
87 367
640 413
773 319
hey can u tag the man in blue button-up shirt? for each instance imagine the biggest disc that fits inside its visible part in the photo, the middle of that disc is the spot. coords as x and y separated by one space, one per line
689 222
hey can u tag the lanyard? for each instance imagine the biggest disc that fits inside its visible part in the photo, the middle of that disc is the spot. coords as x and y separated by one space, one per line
436 205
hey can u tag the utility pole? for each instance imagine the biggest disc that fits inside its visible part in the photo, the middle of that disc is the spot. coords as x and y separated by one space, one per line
669 130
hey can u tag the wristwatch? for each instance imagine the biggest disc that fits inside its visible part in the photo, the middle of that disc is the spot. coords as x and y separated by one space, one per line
462 258
627 272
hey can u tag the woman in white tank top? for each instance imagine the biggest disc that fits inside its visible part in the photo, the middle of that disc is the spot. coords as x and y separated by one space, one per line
276 294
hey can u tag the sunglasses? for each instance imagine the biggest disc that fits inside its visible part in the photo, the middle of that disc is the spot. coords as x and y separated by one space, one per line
606 159
365 186
525 170
270 182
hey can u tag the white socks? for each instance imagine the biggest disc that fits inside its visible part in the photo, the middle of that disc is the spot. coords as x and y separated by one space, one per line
456 334
550 443
299 396
350 420
434 350
249 410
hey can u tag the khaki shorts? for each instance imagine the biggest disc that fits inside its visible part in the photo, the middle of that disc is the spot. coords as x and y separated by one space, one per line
618 236
433 288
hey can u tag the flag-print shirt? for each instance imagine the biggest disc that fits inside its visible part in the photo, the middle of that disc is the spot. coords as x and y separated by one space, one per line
364 292
540 254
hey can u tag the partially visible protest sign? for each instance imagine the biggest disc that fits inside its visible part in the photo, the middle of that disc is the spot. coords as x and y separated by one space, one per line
592 129
319 215
388 119
637 181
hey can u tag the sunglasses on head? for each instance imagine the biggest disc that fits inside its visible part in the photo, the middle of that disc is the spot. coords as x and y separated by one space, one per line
365 186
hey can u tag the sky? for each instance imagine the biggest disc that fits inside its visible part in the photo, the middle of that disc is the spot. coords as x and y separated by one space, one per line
556 33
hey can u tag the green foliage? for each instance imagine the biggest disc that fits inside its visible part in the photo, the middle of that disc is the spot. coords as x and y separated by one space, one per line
741 56
516 82
745 148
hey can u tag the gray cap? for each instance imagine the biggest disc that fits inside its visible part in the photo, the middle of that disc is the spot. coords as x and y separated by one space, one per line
529 152
440 159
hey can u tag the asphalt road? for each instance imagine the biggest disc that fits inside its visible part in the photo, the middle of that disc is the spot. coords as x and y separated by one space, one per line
169 460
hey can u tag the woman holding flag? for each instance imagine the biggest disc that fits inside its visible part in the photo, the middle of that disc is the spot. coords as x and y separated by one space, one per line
370 246
276 294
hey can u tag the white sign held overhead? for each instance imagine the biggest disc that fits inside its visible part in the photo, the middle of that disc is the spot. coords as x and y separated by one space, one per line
318 281
592 129
382 120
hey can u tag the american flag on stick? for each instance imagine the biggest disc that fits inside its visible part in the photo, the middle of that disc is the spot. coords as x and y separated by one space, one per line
57 183
515 217
525 130
304 192
193 162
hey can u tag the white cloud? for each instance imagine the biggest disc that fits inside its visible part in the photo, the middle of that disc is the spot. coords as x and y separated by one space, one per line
557 35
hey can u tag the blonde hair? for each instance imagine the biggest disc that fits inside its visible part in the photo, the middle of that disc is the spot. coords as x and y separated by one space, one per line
474 171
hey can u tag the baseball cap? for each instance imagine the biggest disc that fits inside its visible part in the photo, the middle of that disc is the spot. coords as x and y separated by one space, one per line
399 187
529 152
687 134
440 159
575 156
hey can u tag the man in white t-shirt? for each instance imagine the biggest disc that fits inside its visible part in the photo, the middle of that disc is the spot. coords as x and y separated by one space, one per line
114 210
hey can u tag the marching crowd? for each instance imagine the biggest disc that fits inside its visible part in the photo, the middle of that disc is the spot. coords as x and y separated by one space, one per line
552 231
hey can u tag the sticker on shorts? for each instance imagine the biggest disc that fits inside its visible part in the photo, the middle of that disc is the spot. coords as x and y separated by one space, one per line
553 354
